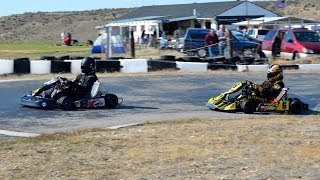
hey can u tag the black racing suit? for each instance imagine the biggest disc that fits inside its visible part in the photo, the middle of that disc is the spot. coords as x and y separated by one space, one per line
82 85
270 89
77 89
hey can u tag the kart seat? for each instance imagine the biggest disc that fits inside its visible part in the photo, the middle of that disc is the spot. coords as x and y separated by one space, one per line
282 93
95 89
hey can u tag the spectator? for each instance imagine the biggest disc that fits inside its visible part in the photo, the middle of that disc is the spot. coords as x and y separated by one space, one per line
69 39
62 36
143 36
222 40
211 41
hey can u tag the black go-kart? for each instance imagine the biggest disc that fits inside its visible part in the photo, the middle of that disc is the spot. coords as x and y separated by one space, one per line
96 99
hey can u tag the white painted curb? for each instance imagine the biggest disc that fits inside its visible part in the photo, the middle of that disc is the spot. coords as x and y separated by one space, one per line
134 65
17 134
40 67
242 68
253 68
75 66
192 66
309 67
6 66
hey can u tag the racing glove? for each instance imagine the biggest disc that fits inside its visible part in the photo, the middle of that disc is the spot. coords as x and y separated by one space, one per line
257 87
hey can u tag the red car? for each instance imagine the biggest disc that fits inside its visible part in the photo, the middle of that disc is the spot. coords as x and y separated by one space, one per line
291 43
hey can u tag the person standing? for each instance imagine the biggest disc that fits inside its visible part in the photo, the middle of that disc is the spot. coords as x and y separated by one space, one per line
222 40
211 40
143 36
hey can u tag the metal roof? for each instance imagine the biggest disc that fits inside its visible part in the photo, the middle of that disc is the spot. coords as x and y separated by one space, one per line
275 21
204 10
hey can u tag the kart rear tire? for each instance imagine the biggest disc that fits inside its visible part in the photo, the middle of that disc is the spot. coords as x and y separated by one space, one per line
248 107
111 100
296 106
66 103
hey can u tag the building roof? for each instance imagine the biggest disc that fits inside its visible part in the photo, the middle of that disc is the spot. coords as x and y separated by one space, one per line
204 10
275 21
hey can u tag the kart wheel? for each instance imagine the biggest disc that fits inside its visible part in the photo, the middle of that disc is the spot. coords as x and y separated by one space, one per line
296 106
66 103
111 100
248 107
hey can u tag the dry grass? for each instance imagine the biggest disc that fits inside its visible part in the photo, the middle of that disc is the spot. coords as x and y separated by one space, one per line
309 60
284 147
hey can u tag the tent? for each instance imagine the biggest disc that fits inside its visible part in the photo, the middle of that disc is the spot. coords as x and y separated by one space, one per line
99 45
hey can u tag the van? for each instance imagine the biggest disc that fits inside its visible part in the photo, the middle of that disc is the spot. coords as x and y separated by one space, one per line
291 43
194 43
257 33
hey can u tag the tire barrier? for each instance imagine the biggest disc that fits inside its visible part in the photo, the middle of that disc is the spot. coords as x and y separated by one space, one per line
115 58
234 60
60 67
290 67
189 59
25 66
21 66
6 66
108 66
222 67
51 58
157 65
76 57
62 58
168 57
40 67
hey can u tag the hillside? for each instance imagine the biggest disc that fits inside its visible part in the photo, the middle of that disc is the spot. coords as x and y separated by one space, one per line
47 27
309 9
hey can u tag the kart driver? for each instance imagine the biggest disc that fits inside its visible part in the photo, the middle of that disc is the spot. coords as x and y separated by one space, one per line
269 89
79 87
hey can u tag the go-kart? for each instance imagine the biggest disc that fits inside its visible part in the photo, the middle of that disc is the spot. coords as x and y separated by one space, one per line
248 101
96 99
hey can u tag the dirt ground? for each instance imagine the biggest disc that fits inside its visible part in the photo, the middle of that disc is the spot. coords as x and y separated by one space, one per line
271 147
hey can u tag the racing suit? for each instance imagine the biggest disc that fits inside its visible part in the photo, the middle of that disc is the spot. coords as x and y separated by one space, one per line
76 89
82 85
268 89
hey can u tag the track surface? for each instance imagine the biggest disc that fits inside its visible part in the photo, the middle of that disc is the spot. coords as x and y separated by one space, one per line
146 98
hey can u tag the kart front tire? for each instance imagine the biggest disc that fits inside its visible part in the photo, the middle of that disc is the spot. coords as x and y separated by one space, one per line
111 100
248 107
66 103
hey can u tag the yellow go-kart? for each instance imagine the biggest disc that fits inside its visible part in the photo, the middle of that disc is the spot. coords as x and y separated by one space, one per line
248 101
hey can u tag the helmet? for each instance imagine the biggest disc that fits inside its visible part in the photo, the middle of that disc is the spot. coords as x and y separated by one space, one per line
88 65
275 73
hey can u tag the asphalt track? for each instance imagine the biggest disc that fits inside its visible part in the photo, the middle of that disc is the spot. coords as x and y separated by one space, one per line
145 98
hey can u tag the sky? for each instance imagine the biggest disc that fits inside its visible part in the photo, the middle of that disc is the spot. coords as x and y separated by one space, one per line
9 7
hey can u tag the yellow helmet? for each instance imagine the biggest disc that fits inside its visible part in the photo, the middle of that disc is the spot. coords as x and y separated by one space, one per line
275 73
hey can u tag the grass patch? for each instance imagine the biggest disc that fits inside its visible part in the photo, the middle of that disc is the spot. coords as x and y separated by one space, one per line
252 148
35 50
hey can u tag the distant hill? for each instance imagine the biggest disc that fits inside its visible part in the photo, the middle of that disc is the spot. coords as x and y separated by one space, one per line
47 27
309 9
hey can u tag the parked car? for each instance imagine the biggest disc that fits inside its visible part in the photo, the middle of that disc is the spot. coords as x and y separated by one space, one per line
194 43
291 43
257 33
